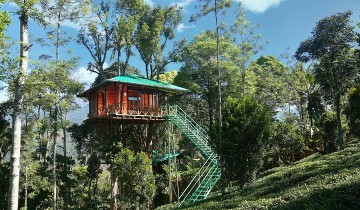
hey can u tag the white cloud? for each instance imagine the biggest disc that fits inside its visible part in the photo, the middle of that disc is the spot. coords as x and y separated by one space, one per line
71 24
149 2
12 4
85 76
183 3
181 27
3 95
259 6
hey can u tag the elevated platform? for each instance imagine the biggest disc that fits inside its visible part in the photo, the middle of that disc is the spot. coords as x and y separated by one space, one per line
125 119
123 114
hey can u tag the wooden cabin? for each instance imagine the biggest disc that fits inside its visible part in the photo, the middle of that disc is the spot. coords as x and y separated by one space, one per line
130 97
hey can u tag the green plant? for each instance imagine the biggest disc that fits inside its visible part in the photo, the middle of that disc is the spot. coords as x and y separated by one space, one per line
246 127
352 111
137 182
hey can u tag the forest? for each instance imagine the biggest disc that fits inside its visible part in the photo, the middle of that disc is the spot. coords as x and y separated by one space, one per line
260 113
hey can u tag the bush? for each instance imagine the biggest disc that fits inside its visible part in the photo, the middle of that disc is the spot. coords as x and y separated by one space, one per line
137 182
287 143
352 111
246 126
328 131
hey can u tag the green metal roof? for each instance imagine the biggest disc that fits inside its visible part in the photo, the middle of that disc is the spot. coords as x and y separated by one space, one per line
137 80
142 81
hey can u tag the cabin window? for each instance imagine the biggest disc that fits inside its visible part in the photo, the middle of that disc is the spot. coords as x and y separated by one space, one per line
133 103
93 105
155 100
100 104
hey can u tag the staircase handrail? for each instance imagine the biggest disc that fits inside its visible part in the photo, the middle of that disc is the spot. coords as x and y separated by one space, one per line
198 174
206 178
192 121
210 173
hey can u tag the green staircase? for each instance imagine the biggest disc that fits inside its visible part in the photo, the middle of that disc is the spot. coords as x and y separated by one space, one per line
209 174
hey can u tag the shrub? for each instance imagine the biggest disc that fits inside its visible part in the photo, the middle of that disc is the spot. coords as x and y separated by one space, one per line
246 126
137 182
352 111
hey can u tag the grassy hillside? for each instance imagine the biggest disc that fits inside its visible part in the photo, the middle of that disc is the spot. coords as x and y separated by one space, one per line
316 182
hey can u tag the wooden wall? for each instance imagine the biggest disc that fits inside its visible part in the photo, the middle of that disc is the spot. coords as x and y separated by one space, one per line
116 95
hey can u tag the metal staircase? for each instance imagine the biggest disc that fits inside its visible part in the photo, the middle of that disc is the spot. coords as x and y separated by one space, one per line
209 174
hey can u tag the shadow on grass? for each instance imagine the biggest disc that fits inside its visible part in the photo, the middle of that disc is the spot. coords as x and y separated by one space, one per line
343 197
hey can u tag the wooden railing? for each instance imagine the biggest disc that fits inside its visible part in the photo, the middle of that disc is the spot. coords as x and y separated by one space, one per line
125 109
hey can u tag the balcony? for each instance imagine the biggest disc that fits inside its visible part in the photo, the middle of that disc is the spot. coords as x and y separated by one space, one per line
129 112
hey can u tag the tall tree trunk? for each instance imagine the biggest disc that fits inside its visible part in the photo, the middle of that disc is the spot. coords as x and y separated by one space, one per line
16 120
128 54
118 61
54 198
147 70
26 189
219 92
114 189
338 122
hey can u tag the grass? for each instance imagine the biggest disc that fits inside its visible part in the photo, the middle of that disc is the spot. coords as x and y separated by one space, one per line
317 182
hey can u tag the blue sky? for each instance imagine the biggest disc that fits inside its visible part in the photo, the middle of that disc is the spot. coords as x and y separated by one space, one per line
284 22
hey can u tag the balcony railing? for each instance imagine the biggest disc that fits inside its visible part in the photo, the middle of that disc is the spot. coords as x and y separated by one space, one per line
125 109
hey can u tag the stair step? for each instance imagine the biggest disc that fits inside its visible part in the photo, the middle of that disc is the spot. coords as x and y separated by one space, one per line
199 137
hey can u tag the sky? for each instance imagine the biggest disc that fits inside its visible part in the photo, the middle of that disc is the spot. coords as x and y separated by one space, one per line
285 23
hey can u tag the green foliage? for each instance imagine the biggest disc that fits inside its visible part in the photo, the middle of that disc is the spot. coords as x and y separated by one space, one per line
199 74
5 131
353 111
4 22
207 7
155 27
40 90
271 81
336 70
168 77
246 127
137 182
315 105
287 143
112 71
96 37
4 183
327 129
331 36
38 183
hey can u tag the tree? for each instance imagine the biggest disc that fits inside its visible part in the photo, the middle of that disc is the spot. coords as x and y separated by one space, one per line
246 127
155 28
27 10
4 22
331 46
96 37
270 80
58 98
123 38
137 179
286 144
200 76
247 42
57 12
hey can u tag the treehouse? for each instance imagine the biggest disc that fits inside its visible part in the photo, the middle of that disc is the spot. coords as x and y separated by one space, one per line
132 99
129 97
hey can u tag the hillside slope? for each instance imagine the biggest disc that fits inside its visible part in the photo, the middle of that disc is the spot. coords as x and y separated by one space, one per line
316 182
